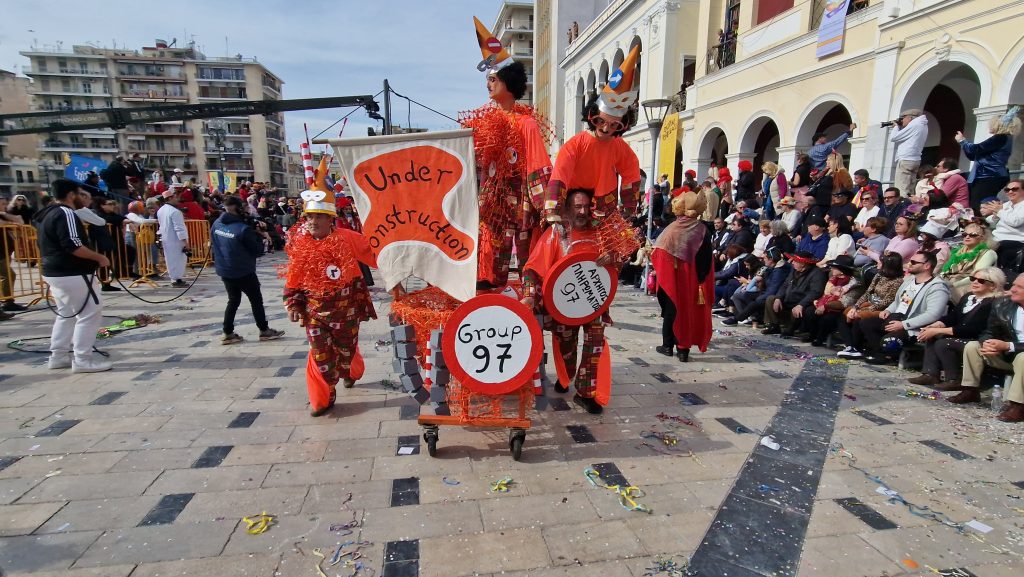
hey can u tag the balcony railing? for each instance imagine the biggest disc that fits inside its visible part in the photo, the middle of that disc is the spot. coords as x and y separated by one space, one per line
721 55
818 10
229 151
146 93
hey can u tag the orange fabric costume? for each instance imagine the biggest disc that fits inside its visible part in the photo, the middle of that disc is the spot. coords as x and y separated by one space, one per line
586 162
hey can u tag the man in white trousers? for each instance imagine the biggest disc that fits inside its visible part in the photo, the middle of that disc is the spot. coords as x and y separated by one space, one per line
174 237
69 267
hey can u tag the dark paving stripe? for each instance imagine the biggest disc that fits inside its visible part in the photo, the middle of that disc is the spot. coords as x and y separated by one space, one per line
873 418
761 526
865 513
631 327
691 399
619 348
8 461
285 371
409 441
198 344
738 359
405 492
108 398
58 428
243 420
5 377
580 434
299 355
559 404
947 450
734 425
1019 485
776 374
639 362
610 474
167 510
401 559
408 412
146 375
662 377
212 457
175 358
268 393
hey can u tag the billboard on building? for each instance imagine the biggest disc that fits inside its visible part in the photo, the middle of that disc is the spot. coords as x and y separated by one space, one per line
832 30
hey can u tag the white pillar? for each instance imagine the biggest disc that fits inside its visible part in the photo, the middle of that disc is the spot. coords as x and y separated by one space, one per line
878 152
857 154
703 165
787 159
733 160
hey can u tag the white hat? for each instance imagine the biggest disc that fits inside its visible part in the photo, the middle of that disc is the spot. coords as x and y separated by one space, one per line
178 170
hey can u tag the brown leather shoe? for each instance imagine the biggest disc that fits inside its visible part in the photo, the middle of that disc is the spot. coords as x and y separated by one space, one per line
1012 413
948 386
967 395
925 380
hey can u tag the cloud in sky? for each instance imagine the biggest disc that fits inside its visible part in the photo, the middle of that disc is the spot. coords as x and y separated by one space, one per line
427 50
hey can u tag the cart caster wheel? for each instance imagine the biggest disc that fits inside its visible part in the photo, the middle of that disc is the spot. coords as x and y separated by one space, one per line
431 438
515 444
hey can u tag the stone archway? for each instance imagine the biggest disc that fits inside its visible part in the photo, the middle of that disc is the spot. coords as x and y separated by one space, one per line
580 102
828 115
948 92
714 146
602 75
761 139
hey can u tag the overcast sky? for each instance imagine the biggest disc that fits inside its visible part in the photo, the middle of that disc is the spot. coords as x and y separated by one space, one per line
427 50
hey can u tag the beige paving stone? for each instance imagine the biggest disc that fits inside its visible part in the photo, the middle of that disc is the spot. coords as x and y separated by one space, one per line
670 534
287 530
157 543
292 474
70 464
670 499
185 408
844 556
421 521
12 489
342 449
24 519
112 513
276 453
180 422
616 568
240 565
937 544
536 511
75 487
510 550
590 542
330 497
157 459
402 466
119 425
48 445
109 571
147 441
332 431
260 436
209 479
276 417
32 554
114 411
233 505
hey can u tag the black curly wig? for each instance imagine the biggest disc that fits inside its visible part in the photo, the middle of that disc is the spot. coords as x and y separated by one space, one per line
514 77
591 109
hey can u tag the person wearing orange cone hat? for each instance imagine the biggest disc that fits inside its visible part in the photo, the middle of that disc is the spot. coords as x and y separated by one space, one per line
513 166
325 292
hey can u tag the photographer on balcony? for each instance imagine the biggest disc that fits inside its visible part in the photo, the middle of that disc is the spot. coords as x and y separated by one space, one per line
909 138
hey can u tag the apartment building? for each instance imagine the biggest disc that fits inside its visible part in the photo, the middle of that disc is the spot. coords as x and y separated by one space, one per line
514 28
748 83
87 77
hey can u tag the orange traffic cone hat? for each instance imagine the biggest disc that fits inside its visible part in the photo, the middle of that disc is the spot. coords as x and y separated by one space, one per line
618 95
319 198
495 57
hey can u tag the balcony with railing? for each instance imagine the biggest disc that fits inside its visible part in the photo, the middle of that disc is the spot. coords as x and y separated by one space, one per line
68 72
153 93
818 10
60 145
230 150
721 55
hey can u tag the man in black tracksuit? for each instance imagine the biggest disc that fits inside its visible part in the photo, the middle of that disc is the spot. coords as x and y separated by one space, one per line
236 246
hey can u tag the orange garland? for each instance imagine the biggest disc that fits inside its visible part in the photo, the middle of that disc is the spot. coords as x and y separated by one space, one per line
309 260
426 310
616 235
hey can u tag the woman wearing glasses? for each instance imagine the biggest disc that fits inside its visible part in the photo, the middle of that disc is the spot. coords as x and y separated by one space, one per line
945 339
1008 220
989 173
973 255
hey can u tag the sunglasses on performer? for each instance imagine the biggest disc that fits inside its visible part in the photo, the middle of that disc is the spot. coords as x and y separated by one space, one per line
613 125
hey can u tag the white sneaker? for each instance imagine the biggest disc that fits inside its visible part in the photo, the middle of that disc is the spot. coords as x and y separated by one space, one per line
59 361
91 366
850 353
747 321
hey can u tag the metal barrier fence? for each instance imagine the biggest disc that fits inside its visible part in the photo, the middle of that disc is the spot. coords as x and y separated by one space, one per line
136 257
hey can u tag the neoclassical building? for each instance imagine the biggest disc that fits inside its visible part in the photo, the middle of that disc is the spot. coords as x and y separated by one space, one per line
759 92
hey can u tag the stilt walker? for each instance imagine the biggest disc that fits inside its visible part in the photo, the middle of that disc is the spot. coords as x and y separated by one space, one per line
513 166
326 293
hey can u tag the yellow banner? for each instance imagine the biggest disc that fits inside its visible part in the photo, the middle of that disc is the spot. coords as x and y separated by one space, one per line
667 146
230 180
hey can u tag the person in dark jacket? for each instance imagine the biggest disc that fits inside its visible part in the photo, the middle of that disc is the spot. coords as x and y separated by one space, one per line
945 339
998 346
746 184
236 246
803 285
116 177
892 207
749 305
110 240
69 267
989 173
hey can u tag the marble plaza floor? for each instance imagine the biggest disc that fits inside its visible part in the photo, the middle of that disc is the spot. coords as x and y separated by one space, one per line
149 469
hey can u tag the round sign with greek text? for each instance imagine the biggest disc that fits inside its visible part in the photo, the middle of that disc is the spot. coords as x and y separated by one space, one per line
577 290
492 344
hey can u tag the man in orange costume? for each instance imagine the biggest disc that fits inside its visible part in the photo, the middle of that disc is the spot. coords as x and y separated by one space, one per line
595 159
513 166
325 292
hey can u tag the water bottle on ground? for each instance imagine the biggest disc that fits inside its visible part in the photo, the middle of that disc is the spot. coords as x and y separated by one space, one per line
997 398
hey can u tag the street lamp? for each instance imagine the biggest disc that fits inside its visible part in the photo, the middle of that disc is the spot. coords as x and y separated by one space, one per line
218 128
655 110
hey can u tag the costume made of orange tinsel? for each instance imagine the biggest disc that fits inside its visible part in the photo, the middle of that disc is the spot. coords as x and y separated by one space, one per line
325 287
513 168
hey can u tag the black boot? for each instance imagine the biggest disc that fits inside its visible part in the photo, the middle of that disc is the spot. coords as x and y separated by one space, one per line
683 355
588 403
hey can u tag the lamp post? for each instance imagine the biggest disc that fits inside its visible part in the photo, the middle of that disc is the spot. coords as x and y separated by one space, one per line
218 128
655 110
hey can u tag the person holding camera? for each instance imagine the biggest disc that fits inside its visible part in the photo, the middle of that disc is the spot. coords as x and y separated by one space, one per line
173 237
236 245
69 268
909 138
